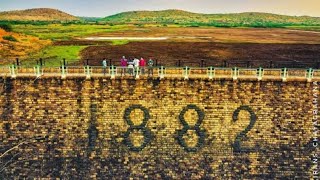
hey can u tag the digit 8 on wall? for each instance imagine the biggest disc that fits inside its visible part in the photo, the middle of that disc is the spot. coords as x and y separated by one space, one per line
200 133
146 132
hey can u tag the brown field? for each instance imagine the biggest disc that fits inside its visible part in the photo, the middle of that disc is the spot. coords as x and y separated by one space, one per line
224 35
213 45
191 54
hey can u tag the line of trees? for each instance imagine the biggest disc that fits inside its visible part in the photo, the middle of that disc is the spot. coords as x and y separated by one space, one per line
256 24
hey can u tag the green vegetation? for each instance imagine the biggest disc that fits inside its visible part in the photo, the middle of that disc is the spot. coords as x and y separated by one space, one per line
90 19
64 32
178 17
46 16
10 38
51 17
6 26
53 55
119 42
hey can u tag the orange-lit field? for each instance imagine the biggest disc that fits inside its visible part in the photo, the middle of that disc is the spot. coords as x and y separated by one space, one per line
21 48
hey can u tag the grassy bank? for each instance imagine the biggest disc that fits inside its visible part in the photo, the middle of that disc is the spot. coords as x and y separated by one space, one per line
53 55
64 32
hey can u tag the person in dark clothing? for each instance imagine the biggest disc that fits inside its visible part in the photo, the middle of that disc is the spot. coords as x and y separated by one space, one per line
150 67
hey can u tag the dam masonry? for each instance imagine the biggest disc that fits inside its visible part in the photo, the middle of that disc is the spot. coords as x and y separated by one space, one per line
151 127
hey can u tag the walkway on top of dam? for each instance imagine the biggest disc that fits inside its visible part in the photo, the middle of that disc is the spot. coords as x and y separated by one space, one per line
282 74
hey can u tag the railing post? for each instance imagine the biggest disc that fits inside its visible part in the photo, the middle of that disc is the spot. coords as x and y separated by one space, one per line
260 73
235 73
309 74
113 74
13 71
202 63
284 74
211 72
225 63
18 62
88 73
186 72
161 72
270 64
38 71
41 62
63 71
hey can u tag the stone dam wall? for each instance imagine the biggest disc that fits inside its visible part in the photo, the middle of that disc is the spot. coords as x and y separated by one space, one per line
102 128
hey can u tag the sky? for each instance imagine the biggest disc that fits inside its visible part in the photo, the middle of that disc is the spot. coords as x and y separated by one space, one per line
102 8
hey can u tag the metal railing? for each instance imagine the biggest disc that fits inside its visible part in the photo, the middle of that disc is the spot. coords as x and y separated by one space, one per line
247 73
272 73
284 74
223 73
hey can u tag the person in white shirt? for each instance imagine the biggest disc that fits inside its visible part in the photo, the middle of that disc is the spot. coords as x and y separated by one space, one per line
130 67
136 63
104 65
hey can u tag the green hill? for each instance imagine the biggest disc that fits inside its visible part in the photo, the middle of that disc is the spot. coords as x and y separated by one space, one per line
248 19
38 14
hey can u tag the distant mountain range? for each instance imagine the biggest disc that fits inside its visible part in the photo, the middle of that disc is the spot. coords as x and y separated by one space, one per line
38 14
250 19
189 18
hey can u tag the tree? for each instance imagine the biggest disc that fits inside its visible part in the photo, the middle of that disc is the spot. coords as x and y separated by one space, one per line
6 27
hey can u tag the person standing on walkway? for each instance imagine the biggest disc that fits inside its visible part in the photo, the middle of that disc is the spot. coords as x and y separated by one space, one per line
142 65
150 67
136 63
124 64
130 67
104 66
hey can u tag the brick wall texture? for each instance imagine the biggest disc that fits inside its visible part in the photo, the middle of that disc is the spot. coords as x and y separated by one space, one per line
155 129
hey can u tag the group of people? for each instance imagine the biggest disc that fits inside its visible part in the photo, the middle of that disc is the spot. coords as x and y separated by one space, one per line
133 66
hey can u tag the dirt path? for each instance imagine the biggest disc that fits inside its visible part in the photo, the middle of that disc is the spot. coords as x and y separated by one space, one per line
303 31
128 38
